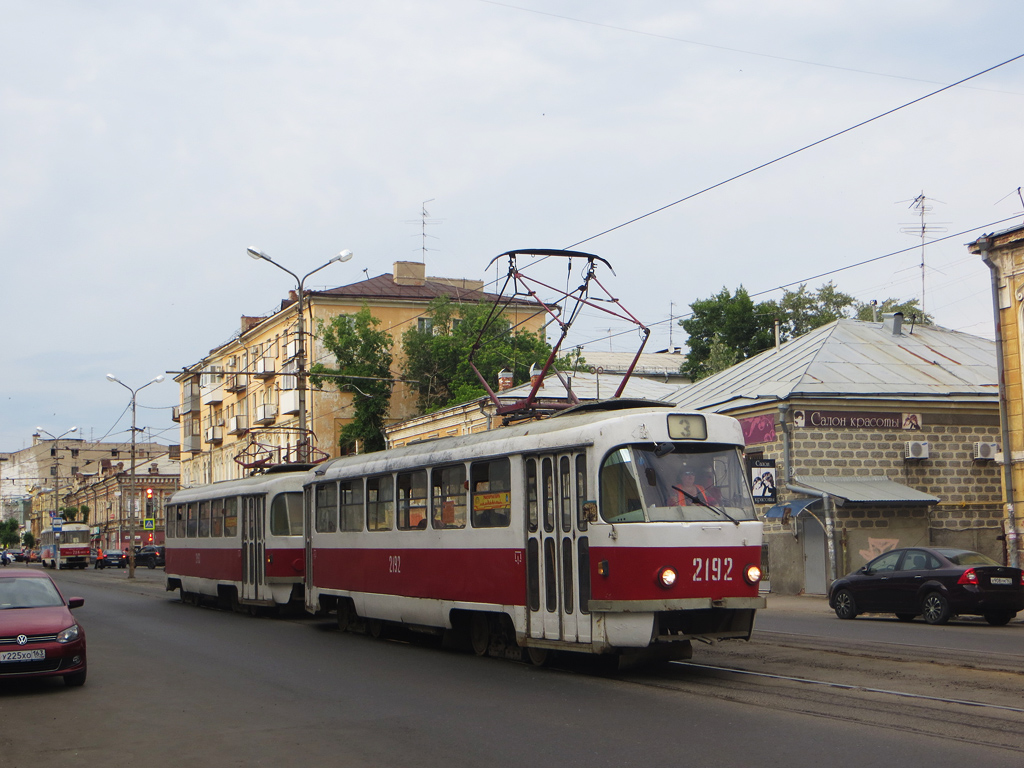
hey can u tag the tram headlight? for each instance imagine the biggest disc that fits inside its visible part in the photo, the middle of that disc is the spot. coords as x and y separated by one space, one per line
666 577
752 574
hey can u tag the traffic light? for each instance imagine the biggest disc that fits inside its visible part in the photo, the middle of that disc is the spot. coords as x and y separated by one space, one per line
149 502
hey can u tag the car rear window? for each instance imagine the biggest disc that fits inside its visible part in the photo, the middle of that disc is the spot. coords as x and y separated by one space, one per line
966 557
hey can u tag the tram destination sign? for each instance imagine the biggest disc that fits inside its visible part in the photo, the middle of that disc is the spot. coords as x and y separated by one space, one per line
856 420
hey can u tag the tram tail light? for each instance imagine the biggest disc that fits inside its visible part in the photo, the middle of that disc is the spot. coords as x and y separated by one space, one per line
752 574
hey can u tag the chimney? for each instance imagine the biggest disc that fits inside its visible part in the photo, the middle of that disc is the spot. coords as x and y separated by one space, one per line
893 322
409 273
505 380
248 323
535 377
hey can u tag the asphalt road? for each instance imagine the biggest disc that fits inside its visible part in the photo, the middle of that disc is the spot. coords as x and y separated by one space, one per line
175 685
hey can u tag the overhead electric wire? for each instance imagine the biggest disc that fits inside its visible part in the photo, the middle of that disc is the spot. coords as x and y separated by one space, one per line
795 152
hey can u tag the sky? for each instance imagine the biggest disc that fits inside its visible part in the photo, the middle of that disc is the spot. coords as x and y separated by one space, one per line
145 146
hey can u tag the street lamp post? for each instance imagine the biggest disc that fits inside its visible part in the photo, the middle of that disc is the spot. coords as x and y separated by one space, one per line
131 480
301 329
56 488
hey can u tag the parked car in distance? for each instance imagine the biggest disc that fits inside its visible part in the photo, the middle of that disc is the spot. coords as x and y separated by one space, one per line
112 558
149 556
935 583
38 635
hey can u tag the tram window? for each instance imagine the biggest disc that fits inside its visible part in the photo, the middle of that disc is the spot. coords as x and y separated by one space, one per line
192 521
547 484
531 493
217 517
412 501
286 515
567 600
380 503
448 509
583 562
204 519
565 481
581 491
491 482
350 493
620 497
327 508
550 571
533 574
231 507
181 521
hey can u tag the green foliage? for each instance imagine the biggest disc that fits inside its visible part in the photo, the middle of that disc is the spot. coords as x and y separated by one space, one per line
71 513
437 357
726 329
8 533
911 311
28 540
731 320
363 353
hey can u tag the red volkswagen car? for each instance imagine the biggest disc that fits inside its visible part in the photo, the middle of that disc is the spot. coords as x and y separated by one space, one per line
38 635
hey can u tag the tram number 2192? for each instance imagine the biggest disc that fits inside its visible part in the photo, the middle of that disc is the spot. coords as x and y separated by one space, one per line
394 563
712 569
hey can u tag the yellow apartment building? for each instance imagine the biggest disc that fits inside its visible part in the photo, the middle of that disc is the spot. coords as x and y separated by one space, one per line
1003 253
242 398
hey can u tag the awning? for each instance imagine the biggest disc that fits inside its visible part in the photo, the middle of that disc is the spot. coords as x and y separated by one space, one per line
796 506
865 490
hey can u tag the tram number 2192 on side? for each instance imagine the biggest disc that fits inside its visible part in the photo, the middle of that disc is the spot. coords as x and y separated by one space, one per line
712 569
394 563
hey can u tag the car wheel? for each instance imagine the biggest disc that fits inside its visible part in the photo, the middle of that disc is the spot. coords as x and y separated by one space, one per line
1000 618
935 608
906 616
846 607
75 679
151 563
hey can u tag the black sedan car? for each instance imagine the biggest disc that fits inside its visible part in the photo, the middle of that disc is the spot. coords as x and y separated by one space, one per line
935 583
149 556
111 558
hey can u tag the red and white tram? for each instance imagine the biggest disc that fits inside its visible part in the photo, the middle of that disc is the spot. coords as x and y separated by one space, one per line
580 532
238 540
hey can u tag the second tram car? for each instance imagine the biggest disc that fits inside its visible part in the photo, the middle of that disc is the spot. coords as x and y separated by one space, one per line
70 550
238 540
602 531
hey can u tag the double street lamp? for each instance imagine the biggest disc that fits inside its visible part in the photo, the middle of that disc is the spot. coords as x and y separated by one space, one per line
300 356
56 488
131 482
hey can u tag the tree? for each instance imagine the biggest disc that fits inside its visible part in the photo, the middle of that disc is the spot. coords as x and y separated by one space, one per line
28 540
363 356
911 311
734 322
801 311
9 533
437 353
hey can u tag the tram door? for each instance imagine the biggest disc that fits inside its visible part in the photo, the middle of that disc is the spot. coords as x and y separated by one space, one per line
253 574
556 537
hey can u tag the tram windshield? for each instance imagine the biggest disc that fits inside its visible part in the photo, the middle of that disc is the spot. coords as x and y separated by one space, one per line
671 482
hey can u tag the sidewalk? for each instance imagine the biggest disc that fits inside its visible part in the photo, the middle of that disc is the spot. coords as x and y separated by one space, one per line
798 603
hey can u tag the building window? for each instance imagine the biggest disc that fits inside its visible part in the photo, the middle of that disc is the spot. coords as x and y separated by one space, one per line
424 325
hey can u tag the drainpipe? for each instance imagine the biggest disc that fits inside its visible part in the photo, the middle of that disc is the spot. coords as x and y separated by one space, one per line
826 500
984 246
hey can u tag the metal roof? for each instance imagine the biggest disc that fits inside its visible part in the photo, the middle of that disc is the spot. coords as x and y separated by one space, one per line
865 490
589 386
852 358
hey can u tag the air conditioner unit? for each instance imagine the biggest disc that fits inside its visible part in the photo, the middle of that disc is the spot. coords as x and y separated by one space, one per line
915 449
985 451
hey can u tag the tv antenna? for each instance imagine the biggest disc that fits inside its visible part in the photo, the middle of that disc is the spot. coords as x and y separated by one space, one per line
1018 193
425 221
923 230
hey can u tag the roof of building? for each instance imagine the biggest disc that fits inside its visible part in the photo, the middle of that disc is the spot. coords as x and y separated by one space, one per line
591 386
384 287
851 358
649 364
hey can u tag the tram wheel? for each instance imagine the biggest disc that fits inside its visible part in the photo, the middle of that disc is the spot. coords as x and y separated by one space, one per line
539 657
375 627
480 633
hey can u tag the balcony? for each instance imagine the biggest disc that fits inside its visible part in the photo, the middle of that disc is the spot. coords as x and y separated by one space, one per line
265 414
291 349
192 444
190 398
214 434
289 400
235 382
265 367
176 413
237 425
213 394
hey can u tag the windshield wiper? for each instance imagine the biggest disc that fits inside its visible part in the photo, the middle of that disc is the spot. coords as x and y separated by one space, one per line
701 502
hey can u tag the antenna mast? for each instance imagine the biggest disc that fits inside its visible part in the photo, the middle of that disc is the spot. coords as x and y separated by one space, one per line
924 231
